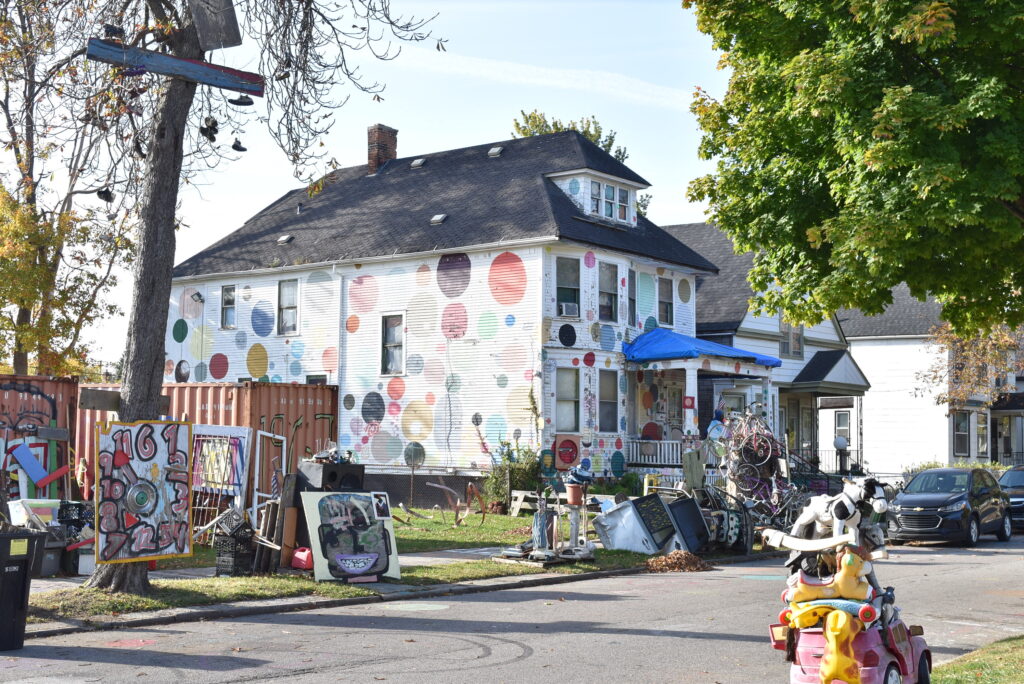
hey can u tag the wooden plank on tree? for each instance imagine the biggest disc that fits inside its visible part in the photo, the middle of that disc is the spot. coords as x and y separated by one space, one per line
216 24
56 434
193 70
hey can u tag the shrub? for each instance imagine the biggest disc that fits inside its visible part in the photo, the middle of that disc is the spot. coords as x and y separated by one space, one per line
520 464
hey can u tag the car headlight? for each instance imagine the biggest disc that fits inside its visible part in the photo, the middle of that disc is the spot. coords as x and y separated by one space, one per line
895 507
953 507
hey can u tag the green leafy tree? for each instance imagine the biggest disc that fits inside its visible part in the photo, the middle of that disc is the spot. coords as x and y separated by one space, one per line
537 123
865 143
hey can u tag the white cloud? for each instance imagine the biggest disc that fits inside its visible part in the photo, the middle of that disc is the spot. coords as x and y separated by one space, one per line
604 83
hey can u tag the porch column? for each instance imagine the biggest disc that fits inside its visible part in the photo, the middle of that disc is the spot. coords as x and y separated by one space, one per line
766 402
690 426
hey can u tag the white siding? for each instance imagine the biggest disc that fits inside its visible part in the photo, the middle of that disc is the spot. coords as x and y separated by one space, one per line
901 428
197 349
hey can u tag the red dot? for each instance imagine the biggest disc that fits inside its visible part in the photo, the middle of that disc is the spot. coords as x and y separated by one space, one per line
588 358
396 388
394 408
600 443
430 398
528 375
365 439
618 443
575 362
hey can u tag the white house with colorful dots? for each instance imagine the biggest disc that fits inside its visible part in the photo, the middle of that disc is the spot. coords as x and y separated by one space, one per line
506 292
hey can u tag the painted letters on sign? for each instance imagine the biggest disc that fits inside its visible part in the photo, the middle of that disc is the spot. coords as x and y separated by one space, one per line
144 491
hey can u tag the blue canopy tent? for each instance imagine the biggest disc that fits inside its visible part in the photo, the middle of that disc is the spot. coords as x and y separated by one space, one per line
660 344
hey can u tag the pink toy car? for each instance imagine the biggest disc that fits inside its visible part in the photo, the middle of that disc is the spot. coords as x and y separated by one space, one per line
905 660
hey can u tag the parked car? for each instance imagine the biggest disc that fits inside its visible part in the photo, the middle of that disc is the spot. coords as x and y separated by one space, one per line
1012 482
950 504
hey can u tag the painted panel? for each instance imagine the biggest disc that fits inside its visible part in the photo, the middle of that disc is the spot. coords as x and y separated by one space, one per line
470 359
198 349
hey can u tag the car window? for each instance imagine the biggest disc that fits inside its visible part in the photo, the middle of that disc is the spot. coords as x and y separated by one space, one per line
1012 478
938 482
989 480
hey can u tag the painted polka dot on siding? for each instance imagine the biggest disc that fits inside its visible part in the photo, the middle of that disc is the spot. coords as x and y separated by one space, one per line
510 320
348 402
179 331
241 339
295 368
487 326
218 366
453 271
182 371
588 358
414 364
423 276
373 407
256 360
352 323
567 335
362 293
262 318
502 380
507 279
454 321
168 367
330 359
589 260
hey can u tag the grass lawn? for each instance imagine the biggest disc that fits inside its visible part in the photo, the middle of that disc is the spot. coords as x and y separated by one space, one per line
202 557
998 663
83 603
485 569
437 534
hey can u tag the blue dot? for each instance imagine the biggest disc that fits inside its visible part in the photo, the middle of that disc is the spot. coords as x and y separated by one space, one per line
295 368
270 366
585 463
262 318
276 378
510 320
298 348
345 440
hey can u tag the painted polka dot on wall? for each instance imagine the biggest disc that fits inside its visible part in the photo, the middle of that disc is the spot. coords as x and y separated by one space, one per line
650 324
589 260
576 362
513 357
373 407
510 320
452 384
588 358
295 368
241 340
298 348
454 321
396 388
179 331
394 408
182 371
352 323
414 364
507 279
218 366
574 186
348 402
262 318
502 380
201 343
453 271
414 454
330 359
246 293
200 372
417 420
567 335
188 307
362 293
168 367
430 399
477 419
607 337
256 360
684 290
423 276
487 326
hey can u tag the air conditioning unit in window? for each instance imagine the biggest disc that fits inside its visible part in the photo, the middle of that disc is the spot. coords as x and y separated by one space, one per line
568 310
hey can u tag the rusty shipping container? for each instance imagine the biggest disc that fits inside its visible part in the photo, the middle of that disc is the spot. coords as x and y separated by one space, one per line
30 402
304 414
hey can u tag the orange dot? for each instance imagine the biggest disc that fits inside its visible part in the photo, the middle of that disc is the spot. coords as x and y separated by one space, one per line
430 398
396 388
352 324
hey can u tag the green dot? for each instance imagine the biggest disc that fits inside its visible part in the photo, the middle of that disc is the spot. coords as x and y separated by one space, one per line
487 326
180 330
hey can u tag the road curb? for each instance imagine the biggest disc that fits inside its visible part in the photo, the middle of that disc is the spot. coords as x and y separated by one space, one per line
297 604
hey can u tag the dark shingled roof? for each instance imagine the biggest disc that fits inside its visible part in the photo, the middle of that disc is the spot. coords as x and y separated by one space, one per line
819 365
722 300
487 200
905 316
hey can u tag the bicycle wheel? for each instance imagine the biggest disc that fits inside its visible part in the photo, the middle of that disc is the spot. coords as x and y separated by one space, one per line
747 480
757 449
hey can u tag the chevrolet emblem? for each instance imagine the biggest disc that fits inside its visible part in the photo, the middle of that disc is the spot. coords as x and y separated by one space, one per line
918 509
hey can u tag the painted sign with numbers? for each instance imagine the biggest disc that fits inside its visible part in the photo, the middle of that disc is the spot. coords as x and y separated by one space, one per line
143 491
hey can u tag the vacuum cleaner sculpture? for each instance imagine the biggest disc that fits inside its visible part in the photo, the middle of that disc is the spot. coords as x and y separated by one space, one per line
839 624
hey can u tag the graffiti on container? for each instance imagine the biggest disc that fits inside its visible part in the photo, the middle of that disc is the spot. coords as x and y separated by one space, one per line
24 408
144 491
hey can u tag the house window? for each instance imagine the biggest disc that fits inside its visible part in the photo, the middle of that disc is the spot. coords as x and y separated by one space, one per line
792 343
392 355
609 201
631 293
608 401
567 400
961 433
982 431
665 314
843 425
316 379
608 293
227 307
567 276
287 307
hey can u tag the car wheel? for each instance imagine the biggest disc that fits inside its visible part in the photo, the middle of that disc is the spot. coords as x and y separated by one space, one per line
1005 529
973 531
892 675
924 671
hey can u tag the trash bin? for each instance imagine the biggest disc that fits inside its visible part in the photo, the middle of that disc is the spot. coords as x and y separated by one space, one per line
17 550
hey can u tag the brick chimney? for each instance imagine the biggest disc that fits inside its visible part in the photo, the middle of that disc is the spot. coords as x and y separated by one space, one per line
381 146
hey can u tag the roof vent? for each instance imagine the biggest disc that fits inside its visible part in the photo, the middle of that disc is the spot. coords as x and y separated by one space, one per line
417 163
298 209
438 219
495 151
284 239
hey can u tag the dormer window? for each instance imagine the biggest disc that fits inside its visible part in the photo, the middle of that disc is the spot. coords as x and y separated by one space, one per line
609 201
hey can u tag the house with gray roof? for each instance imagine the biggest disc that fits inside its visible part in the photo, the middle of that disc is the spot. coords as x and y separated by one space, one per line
903 424
461 300
818 388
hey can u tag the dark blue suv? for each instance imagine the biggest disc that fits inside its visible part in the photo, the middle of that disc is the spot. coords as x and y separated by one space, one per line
1012 482
950 504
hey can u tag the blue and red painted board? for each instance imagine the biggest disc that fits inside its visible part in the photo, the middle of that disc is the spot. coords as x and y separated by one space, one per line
113 52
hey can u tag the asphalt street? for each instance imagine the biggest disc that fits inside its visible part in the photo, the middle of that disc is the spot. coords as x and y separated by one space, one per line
694 627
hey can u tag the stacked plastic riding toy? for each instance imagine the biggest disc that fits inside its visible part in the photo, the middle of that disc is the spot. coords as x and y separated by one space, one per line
838 624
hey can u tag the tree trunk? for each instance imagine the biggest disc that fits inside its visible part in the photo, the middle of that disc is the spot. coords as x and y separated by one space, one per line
154 260
20 361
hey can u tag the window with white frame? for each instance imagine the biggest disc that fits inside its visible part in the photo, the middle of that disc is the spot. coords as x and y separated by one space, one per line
287 307
666 316
792 342
392 340
981 429
609 201
567 400
608 401
961 433
608 292
567 277
631 294
227 307
843 425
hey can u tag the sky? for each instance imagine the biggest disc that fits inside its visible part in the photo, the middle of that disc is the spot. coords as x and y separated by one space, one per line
633 65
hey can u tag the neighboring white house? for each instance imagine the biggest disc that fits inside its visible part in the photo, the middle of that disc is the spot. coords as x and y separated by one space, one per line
459 299
818 388
903 425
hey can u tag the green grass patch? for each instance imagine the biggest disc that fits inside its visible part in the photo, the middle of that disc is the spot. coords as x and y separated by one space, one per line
998 663
437 534
202 557
85 603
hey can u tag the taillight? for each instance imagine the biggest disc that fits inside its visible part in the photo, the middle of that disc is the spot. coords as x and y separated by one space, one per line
870 659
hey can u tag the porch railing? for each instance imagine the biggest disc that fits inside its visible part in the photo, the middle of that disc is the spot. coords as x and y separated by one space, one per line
832 460
652 453
1009 458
